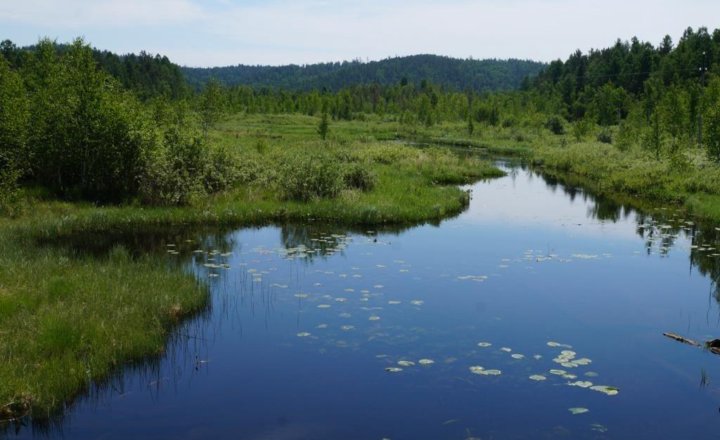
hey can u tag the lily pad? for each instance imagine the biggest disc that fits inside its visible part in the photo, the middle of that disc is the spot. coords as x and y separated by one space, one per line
581 384
610 391
477 369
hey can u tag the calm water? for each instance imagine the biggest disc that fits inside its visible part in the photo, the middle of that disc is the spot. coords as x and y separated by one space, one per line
306 320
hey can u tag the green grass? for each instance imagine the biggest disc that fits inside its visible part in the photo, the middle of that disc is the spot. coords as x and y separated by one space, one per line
68 321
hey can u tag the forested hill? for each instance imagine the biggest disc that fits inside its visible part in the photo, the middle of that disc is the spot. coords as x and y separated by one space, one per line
604 83
145 74
451 73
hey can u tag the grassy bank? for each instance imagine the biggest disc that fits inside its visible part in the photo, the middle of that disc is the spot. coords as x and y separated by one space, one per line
687 179
68 320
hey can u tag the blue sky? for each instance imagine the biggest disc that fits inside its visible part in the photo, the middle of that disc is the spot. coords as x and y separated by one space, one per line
224 32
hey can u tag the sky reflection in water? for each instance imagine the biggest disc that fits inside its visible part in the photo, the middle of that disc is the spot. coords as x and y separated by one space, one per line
308 324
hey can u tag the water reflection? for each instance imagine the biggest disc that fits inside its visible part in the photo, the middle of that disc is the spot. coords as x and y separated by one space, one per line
331 313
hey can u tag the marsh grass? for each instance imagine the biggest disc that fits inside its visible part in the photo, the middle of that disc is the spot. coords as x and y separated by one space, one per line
68 320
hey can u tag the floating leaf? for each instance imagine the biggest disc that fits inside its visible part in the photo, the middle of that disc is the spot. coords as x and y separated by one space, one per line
393 369
598 427
426 362
517 356
576 411
303 334
557 344
406 363
538 377
477 369
484 344
610 391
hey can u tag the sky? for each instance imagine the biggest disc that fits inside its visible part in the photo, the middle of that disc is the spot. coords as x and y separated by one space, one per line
277 32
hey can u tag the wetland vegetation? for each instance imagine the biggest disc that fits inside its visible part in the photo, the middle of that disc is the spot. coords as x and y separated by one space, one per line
90 146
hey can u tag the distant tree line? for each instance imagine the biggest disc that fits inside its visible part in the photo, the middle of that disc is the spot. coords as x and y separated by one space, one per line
666 97
449 73
146 75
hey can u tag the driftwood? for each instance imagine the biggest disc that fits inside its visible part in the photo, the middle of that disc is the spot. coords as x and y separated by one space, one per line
682 339
713 345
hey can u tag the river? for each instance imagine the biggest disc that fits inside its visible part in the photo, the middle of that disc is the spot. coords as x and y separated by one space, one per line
539 312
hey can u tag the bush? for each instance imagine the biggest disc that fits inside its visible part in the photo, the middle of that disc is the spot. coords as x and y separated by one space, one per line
172 173
509 122
555 125
358 176
306 175
221 170
9 176
605 137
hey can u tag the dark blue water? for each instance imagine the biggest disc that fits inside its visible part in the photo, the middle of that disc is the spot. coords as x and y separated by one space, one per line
306 320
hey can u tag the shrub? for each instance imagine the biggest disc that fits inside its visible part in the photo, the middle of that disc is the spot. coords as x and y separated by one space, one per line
555 125
172 173
221 170
309 175
358 176
605 137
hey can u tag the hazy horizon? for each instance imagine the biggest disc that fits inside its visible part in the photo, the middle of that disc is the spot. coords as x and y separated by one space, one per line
220 33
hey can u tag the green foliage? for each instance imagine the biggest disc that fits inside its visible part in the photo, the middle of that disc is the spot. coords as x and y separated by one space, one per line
609 104
653 137
581 128
555 125
86 137
147 76
454 74
712 117
323 126
310 174
14 118
359 176
211 105
605 136
169 177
